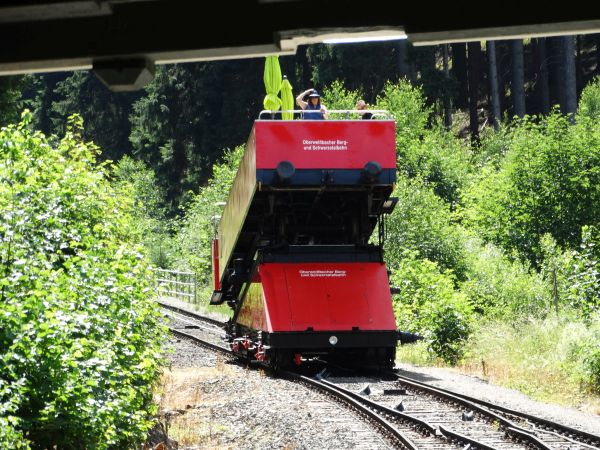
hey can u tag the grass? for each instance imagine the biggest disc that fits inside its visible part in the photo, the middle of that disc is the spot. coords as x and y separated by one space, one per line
415 354
540 358
204 307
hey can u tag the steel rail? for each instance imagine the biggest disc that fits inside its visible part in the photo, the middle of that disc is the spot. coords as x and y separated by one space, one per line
439 432
380 421
420 424
543 424
185 312
194 322
200 342
471 443
509 426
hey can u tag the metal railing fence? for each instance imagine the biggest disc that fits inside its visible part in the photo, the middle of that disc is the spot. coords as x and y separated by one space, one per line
176 284
339 114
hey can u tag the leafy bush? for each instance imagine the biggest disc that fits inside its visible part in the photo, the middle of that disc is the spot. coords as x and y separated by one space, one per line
422 222
427 304
450 328
584 292
591 368
429 153
336 96
439 159
492 147
547 184
497 286
193 240
80 340
149 213
409 109
589 102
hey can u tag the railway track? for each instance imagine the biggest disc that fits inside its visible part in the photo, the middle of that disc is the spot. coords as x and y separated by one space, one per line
186 313
552 434
409 414
464 419
195 322
204 331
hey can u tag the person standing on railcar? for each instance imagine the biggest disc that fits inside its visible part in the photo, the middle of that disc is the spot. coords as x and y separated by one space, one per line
362 107
314 109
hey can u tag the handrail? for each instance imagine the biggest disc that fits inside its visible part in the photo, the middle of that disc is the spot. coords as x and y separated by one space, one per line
175 283
375 112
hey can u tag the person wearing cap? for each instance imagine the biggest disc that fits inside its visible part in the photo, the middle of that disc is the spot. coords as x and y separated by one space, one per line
315 110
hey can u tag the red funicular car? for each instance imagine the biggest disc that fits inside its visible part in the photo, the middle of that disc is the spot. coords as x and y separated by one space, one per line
298 253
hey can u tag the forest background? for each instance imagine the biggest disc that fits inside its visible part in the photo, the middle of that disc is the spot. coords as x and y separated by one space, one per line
494 245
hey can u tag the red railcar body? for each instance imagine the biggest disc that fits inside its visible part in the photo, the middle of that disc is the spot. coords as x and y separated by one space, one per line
340 144
320 297
296 259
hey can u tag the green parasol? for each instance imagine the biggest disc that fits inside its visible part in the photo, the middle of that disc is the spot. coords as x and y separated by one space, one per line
287 99
272 80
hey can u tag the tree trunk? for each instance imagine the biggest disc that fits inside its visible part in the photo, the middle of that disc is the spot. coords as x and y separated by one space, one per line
503 69
474 70
447 103
555 70
569 77
597 42
579 64
544 87
459 70
402 60
305 66
493 74
518 79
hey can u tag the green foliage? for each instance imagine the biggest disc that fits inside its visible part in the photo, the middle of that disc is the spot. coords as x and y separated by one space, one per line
433 81
497 286
364 67
548 183
576 273
11 101
422 222
545 358
591 364
105 112
11 435
150 216
441 160
428 304
407 106
589 102
189 114
450 329
492 147
336 96
80 340
584 292
431 153
193 239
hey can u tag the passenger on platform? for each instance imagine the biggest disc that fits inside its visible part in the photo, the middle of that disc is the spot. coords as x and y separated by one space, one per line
362 106
314 109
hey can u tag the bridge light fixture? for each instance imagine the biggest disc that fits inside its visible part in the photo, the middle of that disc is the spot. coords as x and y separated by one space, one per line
365 38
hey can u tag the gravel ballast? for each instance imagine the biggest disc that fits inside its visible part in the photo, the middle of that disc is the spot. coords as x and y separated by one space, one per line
211 401
478 388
